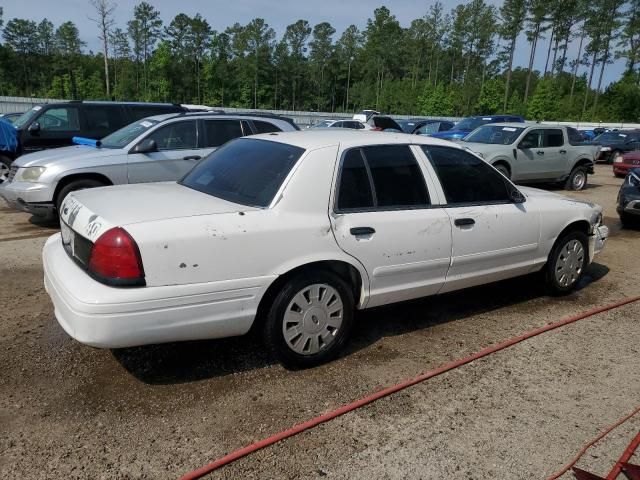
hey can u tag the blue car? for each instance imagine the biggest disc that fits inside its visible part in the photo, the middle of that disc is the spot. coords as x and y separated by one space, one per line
467 125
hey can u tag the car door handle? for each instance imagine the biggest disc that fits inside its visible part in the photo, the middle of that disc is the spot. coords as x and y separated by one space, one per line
362 231
461 222
540 152
192 157
563 151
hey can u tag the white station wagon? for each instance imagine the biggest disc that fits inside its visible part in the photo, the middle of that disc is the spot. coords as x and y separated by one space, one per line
294 231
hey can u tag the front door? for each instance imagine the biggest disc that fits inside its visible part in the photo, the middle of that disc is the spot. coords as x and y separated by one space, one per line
177 152
540 155
57 126
384 216
493 237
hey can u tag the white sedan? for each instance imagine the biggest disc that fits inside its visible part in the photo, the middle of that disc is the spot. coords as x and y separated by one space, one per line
294 231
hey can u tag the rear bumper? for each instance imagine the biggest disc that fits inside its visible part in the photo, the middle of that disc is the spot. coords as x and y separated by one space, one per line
110 317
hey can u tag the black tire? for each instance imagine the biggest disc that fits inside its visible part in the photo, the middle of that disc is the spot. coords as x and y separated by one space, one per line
81 184
503 169
555 285
274 336
5 165
577 179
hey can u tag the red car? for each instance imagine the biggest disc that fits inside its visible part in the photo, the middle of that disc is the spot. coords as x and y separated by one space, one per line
622 164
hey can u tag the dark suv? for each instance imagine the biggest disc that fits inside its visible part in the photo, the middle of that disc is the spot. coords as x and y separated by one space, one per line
55 124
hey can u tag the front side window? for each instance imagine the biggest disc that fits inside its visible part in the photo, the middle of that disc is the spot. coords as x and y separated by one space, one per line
465 178
218 132
245 171
533 139
176 136
63 119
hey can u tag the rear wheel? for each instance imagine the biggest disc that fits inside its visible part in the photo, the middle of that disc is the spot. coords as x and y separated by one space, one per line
577 179
5 165
81 184
567 262
310 319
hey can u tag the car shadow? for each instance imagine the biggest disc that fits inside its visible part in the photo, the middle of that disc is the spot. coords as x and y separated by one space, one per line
184 362
42 222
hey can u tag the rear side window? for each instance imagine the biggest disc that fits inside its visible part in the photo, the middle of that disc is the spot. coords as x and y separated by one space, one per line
265 127
465 178
382 176
553 138
246 171
103 118
218 132
355 188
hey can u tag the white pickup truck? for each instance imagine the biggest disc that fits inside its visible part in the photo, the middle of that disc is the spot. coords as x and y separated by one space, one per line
534 153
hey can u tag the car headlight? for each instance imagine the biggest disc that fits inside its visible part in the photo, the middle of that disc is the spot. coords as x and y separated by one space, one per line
618 159
596 220
29 174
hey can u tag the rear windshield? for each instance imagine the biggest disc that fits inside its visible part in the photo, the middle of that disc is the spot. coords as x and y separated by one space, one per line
612 137
245 171
123 137
495 135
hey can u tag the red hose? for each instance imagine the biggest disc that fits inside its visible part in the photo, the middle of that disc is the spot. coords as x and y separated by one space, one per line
626 456
301 427
604 433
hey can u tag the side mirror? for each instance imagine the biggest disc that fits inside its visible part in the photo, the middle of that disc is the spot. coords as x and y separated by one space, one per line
146 146
517 196
34 127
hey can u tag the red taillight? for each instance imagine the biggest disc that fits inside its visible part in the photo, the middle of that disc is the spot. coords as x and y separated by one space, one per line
115 258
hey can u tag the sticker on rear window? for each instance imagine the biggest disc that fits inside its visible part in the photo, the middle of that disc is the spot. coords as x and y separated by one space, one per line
508 129
146 124
622 135
37 107
487 118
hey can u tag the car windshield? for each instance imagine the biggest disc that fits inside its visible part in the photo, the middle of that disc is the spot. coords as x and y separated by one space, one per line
324 124
472 123
611 137
26 117
494 134
245 171
123 137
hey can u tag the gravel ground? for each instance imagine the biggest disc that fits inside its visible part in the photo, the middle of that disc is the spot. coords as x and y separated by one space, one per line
71 411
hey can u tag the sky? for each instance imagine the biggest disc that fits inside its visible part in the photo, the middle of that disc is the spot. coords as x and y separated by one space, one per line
278 14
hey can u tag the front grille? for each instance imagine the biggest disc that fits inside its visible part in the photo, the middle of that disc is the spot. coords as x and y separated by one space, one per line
12 173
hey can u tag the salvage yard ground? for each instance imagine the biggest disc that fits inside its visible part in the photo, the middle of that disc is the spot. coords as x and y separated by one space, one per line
71 411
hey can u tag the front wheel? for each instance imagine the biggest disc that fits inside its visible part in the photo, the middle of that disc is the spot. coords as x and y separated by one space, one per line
577 179
567 262
310 319
5 166
503 170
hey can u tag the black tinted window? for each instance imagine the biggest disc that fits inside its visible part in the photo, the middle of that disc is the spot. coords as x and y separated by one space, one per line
265 127
553 138
218 132
61 119
465 178
245 171
397 179
354 192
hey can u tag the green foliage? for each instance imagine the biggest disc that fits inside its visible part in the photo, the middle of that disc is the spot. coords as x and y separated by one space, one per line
442 63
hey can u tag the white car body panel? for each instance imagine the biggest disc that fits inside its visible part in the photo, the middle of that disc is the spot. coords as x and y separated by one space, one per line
208 262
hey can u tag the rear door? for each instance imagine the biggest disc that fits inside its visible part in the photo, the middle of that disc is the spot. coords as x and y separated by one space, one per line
102 120
178 149
493 238
386 214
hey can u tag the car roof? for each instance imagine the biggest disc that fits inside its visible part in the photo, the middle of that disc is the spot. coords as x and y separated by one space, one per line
238 116
517 125
313 139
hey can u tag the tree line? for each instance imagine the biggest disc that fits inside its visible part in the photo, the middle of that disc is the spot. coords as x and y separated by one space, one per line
445 63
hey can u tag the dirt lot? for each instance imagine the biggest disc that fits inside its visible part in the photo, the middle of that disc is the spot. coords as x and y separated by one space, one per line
70 411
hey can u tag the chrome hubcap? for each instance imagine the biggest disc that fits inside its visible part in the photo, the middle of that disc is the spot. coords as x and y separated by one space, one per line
569 263
578 180
312 319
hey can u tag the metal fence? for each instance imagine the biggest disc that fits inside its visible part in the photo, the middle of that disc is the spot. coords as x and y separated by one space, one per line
302 118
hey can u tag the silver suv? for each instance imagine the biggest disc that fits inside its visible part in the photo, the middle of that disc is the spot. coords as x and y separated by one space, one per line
154 149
